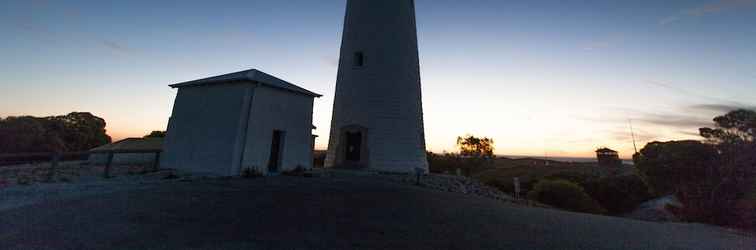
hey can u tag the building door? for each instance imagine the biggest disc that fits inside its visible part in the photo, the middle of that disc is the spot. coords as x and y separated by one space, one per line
276 150
354 146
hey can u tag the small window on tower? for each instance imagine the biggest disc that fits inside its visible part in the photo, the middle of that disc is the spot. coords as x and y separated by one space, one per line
359 59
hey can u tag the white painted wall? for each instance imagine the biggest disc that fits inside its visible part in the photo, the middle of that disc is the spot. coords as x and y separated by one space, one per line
203 129
274 109
222 128
384 95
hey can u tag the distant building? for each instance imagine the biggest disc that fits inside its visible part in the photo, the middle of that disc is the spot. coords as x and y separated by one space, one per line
99 155
608 158
249 119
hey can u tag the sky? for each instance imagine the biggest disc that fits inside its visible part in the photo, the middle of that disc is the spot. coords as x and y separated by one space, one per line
554 78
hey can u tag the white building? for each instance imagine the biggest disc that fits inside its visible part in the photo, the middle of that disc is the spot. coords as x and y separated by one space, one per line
378 113
249 119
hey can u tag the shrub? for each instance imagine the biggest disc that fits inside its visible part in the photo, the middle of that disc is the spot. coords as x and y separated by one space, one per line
299 171
620 194
24 180
565 195
251 172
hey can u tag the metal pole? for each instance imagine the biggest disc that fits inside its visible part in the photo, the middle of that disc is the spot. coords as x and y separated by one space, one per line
107 165
156 164
53 166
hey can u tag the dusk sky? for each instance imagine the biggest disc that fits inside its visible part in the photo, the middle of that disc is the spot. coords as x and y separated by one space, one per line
560 78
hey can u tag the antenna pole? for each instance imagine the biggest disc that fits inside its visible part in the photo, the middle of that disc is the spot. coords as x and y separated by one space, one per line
632 133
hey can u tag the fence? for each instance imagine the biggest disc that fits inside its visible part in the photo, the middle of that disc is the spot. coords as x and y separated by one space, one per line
55 159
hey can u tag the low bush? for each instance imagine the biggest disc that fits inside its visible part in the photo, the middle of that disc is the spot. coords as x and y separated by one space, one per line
617 194
620 194
565 195
299 171
251 173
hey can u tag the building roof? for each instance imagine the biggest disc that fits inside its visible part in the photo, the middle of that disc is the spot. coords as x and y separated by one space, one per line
251 75
605 150
132 144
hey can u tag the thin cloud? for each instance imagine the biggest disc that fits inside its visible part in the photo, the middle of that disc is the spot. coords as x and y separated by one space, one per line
710 8
673 120
687 92
719 108
597 46
115 46
624 134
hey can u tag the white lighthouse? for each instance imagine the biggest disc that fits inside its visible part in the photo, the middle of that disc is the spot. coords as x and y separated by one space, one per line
377 119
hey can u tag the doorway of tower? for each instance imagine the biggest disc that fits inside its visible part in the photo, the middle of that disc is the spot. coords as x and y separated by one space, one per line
353 150
353 146
276 151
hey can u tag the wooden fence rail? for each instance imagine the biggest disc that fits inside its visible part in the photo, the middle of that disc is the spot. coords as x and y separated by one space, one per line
56 157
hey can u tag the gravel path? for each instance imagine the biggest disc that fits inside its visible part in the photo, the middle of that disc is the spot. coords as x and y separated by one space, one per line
349 212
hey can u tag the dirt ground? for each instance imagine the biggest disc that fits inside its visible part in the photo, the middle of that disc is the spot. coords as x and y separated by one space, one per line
348 212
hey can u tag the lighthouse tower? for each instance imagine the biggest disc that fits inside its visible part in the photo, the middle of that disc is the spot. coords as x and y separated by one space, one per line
377 118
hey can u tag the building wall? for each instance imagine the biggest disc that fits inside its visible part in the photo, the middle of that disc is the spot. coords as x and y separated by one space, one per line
274 109
384 95
204 127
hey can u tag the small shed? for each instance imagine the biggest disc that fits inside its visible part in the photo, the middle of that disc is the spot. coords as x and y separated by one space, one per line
99 155
608 158
225 124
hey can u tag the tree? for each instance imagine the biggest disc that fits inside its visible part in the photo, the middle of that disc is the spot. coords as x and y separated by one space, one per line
709 177
73 132
81 130
475 152
156 134
471 146
736 127
670 167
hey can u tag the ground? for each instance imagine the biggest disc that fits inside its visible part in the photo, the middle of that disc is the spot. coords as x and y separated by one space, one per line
341 212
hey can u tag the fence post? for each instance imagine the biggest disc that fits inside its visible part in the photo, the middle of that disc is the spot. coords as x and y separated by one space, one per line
156 164
107 165
53 166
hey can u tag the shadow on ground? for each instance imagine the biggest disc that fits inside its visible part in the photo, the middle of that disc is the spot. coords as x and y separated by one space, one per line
328 213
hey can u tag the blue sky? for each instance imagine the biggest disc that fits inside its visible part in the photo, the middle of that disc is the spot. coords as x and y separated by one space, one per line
539 77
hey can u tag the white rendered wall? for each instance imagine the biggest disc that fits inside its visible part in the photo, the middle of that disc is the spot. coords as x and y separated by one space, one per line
384 95
202 132
274 109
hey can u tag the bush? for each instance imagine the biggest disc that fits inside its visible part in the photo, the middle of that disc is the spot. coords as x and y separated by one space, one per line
251 173
620 194
565 195
299 171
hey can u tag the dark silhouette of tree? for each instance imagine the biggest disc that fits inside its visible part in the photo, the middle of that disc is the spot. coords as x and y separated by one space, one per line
81 130
73 132
475 153
156 134
474 147
711 176
736 127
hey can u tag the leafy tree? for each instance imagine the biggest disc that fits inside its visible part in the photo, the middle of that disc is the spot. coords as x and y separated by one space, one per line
475 152
565 195
155 134
711 176
81 130
72 132
671 167
736 127
471 146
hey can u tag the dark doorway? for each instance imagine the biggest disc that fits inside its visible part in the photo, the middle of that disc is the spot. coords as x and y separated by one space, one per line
353 146
276 148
